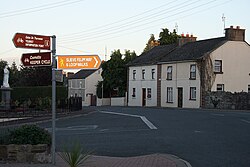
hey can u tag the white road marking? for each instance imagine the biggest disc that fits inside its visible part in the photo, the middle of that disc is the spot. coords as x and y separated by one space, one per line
143 118
12 119
221 115
245 121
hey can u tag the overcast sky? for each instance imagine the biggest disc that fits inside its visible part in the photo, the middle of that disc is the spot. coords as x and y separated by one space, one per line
88 26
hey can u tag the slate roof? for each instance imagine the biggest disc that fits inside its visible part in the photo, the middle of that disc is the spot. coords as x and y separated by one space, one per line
193 50
152 56
82 74
173 52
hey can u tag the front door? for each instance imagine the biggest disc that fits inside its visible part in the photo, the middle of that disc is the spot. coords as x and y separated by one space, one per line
180 97
143 96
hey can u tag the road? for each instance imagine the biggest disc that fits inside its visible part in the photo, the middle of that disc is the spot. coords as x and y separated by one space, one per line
201 137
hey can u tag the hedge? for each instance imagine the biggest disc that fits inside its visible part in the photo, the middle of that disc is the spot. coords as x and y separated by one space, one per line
38 92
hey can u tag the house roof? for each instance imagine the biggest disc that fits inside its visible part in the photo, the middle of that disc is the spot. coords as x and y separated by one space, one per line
152 56
173 52
193 50
82 74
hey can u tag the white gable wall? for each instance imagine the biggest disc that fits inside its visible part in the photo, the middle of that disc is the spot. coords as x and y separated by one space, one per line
90 84
138 83
235 56
180 78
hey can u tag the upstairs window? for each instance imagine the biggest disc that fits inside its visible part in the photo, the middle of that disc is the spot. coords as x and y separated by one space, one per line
134 74
143 74
153 73
169 72
220 87
193 71
218 66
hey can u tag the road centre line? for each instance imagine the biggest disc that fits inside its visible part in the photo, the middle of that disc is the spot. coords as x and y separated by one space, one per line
143 118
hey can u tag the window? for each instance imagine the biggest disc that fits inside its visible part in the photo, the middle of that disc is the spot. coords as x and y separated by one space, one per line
218 66
220 87
134 74
193 71
169 72
153 73
192 93
143 74
149 93
70 83
133 93
169 95
248 88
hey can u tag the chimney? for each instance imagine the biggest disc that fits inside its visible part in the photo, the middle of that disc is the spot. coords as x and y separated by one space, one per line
185 39
235 34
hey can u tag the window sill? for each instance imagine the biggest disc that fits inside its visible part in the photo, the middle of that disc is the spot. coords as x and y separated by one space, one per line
171 102
218 72
169 79
192 99
192 78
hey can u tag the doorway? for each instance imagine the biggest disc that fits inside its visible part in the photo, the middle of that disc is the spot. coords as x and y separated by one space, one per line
143 96
180 97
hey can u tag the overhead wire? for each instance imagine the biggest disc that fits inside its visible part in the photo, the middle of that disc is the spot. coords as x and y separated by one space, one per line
136 26
181 17
38 8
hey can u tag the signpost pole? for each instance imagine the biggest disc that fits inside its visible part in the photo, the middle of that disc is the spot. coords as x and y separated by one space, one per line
53 99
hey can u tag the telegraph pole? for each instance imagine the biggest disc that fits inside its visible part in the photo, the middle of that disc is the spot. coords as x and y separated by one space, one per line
53 147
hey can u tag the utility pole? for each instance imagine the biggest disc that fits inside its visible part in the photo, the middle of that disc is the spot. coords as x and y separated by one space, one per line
53 147
224 23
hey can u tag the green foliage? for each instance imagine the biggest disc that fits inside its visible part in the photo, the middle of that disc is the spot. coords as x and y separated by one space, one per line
76 156
150 45
19 93
166 37
114 74
29 134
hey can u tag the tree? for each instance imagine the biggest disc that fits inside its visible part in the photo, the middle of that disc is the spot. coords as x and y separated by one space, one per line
114 74
151 43
14 75
166 37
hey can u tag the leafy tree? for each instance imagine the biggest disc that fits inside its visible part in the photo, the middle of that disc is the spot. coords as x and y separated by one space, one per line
151 43
114 74
14 75
166 37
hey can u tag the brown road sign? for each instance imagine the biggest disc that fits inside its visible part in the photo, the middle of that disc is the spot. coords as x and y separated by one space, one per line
36 59
31 41
78 62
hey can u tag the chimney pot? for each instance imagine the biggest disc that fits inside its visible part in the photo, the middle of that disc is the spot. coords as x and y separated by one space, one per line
231 26
187 35
238 27
182 35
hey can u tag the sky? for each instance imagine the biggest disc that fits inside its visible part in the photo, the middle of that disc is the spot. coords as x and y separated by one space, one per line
85 27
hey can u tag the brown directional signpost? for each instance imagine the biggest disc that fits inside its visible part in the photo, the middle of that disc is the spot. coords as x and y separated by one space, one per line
36 59
31 41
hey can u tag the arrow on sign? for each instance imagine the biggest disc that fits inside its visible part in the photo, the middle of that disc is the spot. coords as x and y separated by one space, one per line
78 62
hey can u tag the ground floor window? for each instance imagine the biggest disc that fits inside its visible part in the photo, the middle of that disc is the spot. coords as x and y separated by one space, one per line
149 93
133 93
169 95
192 93
220 87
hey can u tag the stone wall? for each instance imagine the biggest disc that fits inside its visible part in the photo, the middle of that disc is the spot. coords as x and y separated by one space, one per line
25 153
227 100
